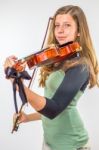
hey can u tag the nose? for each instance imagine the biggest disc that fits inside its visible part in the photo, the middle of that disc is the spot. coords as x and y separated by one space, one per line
61 29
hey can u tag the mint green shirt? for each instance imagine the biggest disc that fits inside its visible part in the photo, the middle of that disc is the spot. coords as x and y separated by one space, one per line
66 131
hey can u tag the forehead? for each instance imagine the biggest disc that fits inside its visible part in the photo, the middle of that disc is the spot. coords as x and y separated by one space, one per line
64 18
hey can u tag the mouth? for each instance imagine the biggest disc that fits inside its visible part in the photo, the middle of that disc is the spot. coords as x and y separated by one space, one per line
61 38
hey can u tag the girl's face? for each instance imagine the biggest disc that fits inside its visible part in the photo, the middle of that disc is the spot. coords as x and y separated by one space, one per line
65 28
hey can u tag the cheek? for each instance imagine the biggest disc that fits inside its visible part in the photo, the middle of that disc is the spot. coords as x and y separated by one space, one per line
74 35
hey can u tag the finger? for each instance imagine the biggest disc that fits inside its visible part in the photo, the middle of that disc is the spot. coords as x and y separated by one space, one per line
10 61
15 117
20 119
12 57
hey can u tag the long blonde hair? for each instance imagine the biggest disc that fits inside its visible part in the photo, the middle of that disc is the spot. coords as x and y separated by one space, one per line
87 54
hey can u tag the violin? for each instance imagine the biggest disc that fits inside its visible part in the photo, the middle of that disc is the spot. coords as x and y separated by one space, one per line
49 55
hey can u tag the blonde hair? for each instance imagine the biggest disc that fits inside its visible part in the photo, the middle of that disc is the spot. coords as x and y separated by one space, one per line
88 55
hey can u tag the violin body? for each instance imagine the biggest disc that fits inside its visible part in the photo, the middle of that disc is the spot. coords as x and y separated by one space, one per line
43 58
49 55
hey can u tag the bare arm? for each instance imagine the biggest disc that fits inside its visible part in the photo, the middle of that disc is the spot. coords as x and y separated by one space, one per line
27 117
36 101
33 117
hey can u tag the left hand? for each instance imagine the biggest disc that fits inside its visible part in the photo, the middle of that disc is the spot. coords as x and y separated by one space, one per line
10 61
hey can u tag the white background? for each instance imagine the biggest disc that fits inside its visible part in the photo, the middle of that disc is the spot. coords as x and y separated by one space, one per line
22 27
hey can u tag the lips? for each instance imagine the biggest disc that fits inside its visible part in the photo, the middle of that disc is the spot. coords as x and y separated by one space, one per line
61 38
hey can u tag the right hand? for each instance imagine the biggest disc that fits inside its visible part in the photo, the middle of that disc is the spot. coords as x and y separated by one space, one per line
22 117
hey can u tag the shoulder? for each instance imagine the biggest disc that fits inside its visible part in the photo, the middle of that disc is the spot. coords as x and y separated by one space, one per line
78 68
78 72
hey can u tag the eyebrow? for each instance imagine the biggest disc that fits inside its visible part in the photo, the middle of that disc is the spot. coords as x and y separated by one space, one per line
63 22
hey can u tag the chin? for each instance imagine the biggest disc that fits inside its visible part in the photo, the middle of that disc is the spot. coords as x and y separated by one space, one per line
61 43
64 42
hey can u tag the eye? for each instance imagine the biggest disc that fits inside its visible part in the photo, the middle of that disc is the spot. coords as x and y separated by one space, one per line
57 25
67 25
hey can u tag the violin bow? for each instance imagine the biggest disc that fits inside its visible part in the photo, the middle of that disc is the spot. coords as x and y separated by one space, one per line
16 125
